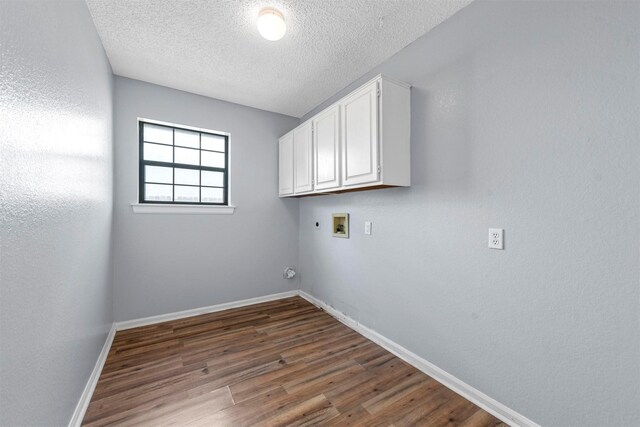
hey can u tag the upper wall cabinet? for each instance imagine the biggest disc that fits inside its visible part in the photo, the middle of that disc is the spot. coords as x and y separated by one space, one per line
361 142
302 159
360 136
285 165
326 148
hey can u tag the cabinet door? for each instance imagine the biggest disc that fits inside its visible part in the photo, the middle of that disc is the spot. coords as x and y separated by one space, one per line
360 136
303 159
326 144
285 164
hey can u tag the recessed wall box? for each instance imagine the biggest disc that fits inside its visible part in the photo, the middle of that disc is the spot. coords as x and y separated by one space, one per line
341 225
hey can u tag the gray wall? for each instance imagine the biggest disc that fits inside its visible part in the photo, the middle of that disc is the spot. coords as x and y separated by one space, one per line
55 208
165 263
525 116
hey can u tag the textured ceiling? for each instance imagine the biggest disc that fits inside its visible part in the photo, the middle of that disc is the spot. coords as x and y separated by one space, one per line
212 47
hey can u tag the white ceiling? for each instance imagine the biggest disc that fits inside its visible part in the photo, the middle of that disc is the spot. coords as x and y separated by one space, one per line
212 47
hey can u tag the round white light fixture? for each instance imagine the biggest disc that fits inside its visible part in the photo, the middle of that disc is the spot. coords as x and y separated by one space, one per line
271 24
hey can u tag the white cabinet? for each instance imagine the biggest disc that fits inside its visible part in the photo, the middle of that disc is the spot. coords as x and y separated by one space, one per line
360 142
360 136
326 145
302 159
285 164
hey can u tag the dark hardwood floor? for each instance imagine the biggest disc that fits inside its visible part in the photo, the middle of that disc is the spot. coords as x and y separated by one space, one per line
284 362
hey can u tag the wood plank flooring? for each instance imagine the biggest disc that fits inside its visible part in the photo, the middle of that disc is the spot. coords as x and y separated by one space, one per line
284 362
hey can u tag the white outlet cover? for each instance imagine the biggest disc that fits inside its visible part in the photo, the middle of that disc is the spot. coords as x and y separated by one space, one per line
496 238
367 227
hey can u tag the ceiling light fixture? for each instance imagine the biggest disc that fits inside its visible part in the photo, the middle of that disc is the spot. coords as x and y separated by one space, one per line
271 24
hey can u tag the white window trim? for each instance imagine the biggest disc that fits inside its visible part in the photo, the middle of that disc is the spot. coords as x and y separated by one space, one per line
194 128
150 208
157 208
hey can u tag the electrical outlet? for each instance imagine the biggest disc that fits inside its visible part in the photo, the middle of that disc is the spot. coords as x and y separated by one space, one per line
496 238
367 227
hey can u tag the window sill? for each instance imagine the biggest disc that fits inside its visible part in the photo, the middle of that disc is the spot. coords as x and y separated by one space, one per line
149 208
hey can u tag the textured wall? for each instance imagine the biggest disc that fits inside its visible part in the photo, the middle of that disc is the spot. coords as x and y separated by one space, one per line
525 116
55 208
165 263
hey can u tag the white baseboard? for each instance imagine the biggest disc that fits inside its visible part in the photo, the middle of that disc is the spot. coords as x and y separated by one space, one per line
490 405
135 323
85 397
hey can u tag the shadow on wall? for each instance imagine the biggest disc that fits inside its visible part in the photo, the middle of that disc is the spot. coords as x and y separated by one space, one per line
440 104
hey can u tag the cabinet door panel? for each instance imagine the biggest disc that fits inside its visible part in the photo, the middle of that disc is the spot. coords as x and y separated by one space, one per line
326 139
285 164
360 136
303 159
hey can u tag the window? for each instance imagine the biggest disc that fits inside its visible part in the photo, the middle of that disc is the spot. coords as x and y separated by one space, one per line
182 166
